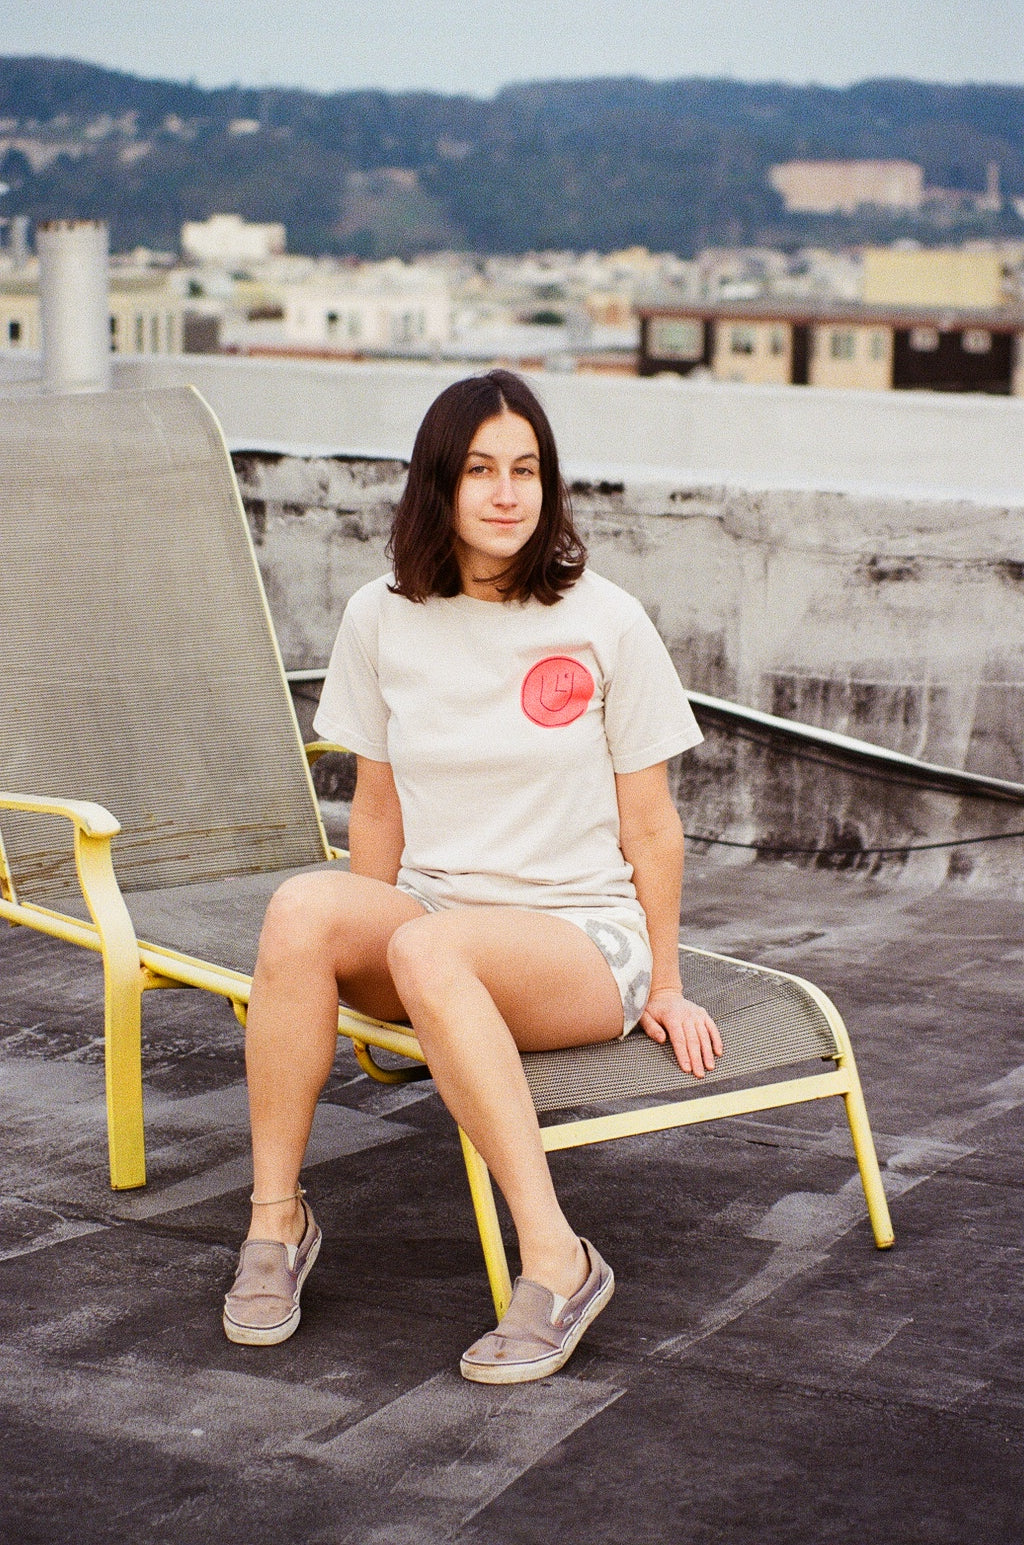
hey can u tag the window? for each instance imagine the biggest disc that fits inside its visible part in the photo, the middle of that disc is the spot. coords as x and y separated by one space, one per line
14 331
140 334
154 334
676 338
332 322
741 340
976 340
777 341
878 348
842 343
113 335
924 339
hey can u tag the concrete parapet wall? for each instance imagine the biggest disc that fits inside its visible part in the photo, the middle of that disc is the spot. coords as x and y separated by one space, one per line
896 620
906 444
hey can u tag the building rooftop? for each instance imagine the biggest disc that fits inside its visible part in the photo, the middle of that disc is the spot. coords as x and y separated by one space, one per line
763 1375
996 318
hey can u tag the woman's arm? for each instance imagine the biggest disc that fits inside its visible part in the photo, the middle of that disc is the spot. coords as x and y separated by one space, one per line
651 837
375 835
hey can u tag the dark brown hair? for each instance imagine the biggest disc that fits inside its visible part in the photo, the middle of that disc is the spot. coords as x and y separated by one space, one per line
422 546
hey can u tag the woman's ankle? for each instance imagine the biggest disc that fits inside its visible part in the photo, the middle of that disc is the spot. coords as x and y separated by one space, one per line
561 1267
283 1221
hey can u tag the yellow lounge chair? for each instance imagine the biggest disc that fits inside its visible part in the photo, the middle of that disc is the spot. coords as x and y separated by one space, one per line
156 790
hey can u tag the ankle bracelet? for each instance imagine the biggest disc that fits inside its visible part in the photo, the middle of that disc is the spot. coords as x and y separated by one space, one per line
279 1201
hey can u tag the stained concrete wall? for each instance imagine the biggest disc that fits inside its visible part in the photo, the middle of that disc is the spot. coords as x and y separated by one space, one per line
896 620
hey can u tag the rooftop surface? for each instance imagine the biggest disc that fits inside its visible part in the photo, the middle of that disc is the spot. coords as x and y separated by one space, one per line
763 1374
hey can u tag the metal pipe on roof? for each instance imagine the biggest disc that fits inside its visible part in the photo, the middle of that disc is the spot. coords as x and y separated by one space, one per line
953 779
74 305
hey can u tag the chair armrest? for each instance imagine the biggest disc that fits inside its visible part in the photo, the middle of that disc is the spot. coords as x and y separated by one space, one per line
315 749
94 827
91 819
112 930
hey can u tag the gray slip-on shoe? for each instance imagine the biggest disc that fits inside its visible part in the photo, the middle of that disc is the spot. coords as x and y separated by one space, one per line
538 1332
262 1306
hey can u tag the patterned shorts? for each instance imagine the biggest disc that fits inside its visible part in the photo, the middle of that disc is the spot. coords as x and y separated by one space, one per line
625 947
618 933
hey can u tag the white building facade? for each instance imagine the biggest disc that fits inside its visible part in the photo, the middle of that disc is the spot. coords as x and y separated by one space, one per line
381 308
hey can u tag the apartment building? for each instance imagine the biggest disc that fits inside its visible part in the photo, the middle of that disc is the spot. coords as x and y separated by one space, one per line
873 347
146 313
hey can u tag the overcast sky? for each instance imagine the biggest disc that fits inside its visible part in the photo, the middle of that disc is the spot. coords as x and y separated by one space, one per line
476 46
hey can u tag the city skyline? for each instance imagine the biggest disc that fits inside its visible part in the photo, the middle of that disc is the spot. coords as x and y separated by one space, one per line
474 47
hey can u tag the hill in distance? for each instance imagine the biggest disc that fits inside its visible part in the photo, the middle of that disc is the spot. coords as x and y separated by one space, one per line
675 166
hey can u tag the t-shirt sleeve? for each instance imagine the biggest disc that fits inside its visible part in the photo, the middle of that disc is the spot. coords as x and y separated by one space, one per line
352 711
647 714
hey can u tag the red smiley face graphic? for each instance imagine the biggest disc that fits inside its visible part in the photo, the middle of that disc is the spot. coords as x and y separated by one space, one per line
556 691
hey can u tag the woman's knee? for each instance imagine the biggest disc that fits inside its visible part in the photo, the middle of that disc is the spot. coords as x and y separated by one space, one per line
422 959
298 922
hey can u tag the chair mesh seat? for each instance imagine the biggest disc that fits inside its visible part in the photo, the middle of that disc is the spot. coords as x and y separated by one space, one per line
766 1022
217 922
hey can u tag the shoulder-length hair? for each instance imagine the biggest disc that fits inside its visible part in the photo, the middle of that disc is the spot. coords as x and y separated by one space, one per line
422 542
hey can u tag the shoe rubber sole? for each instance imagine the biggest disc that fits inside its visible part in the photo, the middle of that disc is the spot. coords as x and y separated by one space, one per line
540 1367
271 1335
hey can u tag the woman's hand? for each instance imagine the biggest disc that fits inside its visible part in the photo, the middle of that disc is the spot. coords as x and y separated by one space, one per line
690 1029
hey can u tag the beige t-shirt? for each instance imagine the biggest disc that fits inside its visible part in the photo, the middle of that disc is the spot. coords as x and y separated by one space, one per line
504 724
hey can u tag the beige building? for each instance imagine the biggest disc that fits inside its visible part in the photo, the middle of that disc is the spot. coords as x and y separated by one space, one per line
146 314
842 187
950 276
19 314
839 353
752 349
847 353
866 347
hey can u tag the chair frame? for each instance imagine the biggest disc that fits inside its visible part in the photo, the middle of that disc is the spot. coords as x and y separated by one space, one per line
132 967
842 1082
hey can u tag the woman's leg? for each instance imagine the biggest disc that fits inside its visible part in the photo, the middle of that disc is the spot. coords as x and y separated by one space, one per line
481 984
323 932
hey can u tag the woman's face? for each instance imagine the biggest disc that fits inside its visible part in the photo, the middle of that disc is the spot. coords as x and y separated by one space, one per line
497 502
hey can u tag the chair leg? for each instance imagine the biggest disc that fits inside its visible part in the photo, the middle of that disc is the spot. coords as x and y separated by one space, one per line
122 991
482 1193
867 1161
123 981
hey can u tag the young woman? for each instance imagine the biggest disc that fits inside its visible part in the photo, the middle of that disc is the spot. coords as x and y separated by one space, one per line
516 857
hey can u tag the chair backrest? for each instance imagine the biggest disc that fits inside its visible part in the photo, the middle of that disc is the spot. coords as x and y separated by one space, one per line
138 664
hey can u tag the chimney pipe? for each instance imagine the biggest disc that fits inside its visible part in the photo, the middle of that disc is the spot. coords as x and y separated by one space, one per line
74 305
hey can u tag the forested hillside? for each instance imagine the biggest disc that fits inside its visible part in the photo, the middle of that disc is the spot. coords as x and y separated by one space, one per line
602 163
